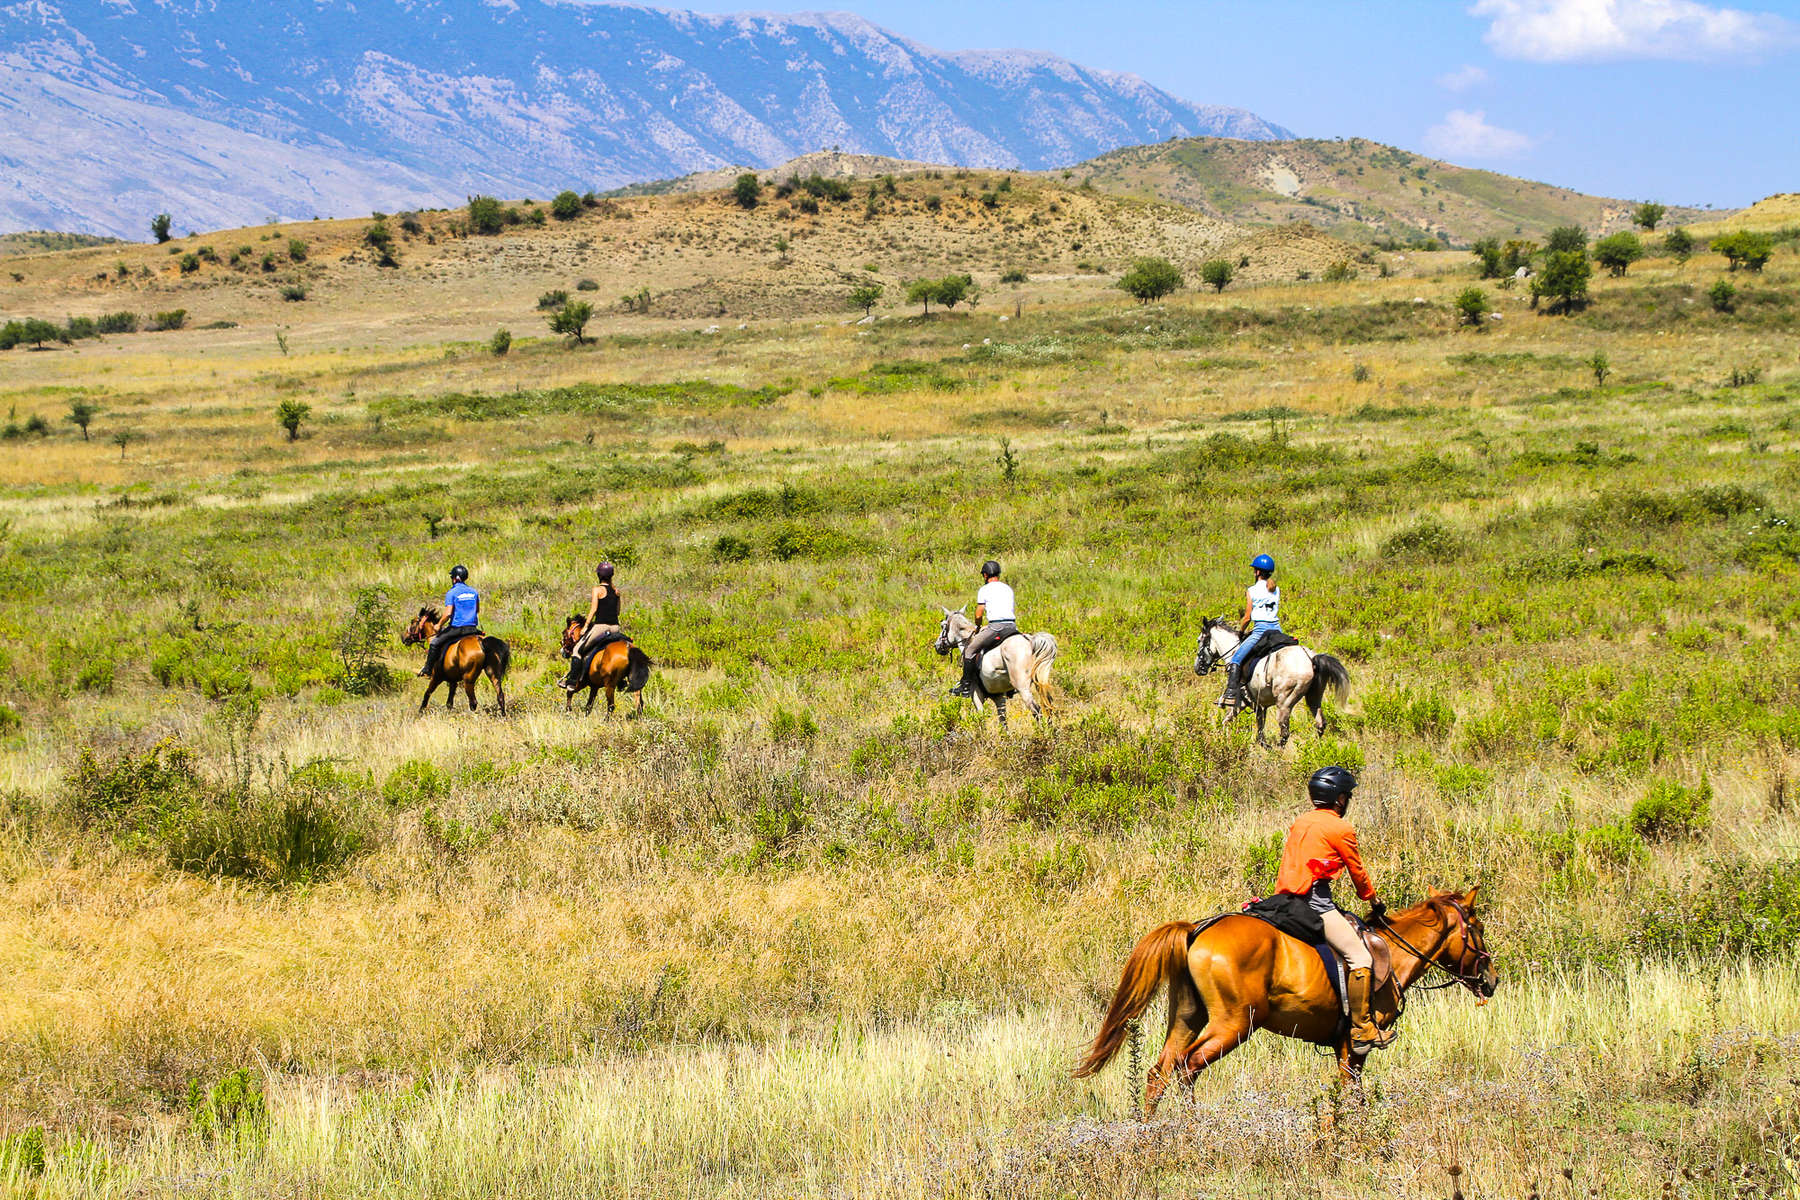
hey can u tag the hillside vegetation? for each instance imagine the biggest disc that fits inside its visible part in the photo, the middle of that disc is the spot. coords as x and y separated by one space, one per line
1353 188
810 927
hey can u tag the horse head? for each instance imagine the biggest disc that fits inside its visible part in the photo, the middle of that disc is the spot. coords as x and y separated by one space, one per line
954 631
1217 639
1452 939
423 628
572 630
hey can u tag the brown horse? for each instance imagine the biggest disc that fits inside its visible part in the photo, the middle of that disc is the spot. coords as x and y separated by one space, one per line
1240 973
617 666
463 662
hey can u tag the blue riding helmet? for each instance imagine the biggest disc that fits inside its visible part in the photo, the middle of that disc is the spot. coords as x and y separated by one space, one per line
1262 562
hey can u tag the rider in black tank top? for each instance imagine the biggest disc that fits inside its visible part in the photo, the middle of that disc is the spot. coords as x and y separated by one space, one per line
606 609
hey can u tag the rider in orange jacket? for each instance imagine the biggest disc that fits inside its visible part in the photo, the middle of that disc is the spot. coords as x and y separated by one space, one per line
1321 845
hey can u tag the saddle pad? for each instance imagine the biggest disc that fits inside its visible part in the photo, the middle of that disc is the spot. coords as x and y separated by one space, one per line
1334 970
1270 643
606 639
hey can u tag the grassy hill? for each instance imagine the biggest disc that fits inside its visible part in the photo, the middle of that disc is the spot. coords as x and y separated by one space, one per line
810 927
1773 214
1356 189
39 241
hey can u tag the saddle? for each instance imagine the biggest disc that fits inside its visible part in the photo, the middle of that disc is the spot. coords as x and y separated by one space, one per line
1270 643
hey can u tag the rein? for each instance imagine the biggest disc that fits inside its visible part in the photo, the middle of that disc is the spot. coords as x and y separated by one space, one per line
1469 978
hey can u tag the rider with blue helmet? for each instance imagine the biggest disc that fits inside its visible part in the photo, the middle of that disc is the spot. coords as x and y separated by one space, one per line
1262 616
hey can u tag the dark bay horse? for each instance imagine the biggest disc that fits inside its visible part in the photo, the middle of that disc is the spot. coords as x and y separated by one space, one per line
1240 974
463 662
616 666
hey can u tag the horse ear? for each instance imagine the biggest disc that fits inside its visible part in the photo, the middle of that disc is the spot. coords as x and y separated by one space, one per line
1436 893
946 611
1469 897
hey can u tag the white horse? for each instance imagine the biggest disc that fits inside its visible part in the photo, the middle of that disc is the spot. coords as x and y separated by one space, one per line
1281 679
1018 666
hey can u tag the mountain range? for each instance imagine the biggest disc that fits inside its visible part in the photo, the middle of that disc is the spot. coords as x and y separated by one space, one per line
227 113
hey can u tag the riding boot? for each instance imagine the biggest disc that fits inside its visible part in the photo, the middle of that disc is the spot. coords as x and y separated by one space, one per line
1234 686
430 667
1365 1035
971 676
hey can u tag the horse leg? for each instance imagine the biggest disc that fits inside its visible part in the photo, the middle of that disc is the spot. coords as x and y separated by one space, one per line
430 687
593 695
1262 715
1318 715
469 687
640 703
1000 707
609 697
1286 712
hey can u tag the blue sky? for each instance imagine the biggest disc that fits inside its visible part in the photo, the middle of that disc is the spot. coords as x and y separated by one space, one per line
1675 100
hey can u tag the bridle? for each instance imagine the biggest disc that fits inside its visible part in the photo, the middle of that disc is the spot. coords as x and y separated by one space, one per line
415 631
1207 660
945 643
1472 959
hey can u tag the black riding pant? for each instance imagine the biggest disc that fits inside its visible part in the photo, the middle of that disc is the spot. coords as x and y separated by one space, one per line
989 637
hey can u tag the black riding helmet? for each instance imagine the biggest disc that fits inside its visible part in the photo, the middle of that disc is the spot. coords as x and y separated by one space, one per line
1328 785
459 574
990 569
605 572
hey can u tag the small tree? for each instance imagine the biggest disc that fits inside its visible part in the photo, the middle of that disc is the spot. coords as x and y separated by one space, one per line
37 331
1647 215
1472 306
1679 244
1745 249
1618 252
1151 279
1723 296
1492 258
82 414
486 215
572 319
1518 253
954 289
566 206
922 291
500 343
289 414
381 240
297 249
1566 239
1564 280
160 225
1601 366
866 296
747 191
122 439
1217 274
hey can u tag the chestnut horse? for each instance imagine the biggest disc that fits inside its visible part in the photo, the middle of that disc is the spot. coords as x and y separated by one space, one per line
463 661
616 666
1240 973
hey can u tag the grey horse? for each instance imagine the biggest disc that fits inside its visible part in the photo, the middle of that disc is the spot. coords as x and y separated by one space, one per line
1281 681
1018 666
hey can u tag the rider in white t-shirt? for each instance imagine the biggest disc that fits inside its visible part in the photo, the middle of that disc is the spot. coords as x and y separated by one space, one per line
993 604
1262 615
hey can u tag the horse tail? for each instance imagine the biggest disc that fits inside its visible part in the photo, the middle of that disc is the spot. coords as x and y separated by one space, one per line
1328 672
499 657
1043 653
637 669
1160 956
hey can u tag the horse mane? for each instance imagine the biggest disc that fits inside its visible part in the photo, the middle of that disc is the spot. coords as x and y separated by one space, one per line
427 611
573 618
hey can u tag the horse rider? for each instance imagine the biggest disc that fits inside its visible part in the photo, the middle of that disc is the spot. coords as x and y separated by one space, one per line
1262 615
993 604
602 619
1320 844
462 616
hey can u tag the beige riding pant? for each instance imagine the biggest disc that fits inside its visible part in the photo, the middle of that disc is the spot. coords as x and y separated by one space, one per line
1343 938
589 635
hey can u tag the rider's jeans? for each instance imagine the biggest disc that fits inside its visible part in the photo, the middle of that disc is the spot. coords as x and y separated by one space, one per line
1256 635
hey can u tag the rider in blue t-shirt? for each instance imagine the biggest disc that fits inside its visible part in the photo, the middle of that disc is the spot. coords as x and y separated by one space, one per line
462 611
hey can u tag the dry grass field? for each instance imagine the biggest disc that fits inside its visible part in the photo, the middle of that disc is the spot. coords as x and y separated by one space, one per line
808 927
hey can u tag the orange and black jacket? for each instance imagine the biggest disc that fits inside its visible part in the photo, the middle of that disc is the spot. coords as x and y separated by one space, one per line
1320 844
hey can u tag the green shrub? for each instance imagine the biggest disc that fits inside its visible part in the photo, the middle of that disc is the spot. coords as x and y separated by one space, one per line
127 790
118 322
1428 539
500 343
175 318
297 249
414 783
730 548
1328 752
22 1153
1668 810
486 215
1472 306
362 643
1723 295
232 1106
786 726
1217 274
1736 907
278 839
566 206
555 298
1262 863
1150 279
10 721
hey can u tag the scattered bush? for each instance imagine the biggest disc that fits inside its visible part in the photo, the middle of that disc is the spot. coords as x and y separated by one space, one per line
486 215
747 191
175 318
293 293
1723 296
1564 280
1751 251
566 206
297 250
1341 271
555 298
1217 274
361 644
289 414
572 319
1679 244
119 322
1472 306
160 226
588 285
500 343
190 263
1428 539
413 784
1618 252
1647 215
1151 279
232 1107
1668 810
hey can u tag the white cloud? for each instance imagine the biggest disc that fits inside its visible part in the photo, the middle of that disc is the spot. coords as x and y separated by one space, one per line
1462 79
1464 134
1578 30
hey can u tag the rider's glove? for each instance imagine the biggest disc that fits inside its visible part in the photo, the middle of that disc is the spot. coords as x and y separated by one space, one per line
1377 911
